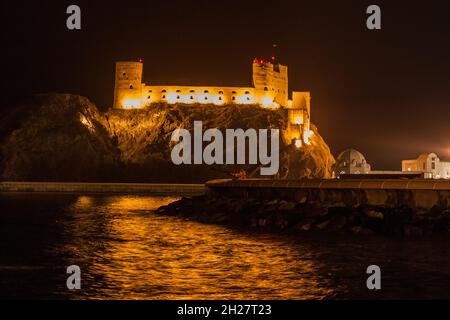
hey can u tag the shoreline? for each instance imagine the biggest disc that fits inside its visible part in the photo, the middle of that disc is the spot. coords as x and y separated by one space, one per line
289 206
103 188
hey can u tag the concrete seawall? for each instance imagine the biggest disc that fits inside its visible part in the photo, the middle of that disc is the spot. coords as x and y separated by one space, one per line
117 188
423 194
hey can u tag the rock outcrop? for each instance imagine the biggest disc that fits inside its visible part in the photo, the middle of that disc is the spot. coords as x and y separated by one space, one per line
56 137
61 137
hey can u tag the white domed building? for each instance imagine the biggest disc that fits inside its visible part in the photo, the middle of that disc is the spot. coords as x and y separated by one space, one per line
351 161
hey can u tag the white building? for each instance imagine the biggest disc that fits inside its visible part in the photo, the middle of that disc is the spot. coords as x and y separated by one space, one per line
430 165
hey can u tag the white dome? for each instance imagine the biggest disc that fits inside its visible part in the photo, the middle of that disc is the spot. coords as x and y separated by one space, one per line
351 161
351 155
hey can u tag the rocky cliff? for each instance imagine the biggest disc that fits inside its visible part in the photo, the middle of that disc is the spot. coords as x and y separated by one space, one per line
56 137
61 137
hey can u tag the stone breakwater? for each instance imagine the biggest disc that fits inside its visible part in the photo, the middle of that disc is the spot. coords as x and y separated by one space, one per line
292 217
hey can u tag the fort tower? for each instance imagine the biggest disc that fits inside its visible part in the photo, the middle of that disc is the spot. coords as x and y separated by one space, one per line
128 87
273 78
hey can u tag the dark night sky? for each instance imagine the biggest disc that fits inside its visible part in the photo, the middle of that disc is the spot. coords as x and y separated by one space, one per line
386 93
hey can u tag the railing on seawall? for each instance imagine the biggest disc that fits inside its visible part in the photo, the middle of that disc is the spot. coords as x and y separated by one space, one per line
120 188
420 193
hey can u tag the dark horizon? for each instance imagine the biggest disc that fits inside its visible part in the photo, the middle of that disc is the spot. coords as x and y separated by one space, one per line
385 93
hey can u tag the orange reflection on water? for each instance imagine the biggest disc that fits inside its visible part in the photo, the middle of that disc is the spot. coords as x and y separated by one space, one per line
131 253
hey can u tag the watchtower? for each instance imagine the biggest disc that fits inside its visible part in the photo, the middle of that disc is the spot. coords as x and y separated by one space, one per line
271 76
128 86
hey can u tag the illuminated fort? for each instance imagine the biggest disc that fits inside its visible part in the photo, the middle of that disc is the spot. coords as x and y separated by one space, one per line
270 90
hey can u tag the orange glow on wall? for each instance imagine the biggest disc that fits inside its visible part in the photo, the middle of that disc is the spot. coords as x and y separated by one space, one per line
132 103
307 137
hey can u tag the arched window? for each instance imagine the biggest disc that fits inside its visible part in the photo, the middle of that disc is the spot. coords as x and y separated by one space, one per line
163 97
220 98
234 98
164 91
266 89
178 91
248 98
178 97
149 97
247 92
233 92
192 91
206 98
220 92
192 97
150 91
131 87
206 91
